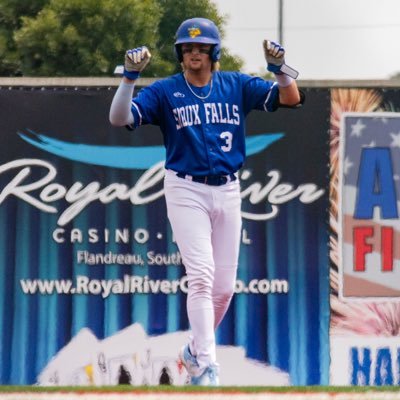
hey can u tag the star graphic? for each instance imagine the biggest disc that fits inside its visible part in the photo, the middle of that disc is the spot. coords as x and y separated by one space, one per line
347 164
357 128
396 139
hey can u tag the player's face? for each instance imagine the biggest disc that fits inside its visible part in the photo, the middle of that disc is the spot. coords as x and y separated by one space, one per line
196 56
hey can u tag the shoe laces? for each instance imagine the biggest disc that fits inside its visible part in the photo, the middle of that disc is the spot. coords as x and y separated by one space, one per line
191 357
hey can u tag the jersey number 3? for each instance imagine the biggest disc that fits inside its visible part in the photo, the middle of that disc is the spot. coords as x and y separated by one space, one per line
227 136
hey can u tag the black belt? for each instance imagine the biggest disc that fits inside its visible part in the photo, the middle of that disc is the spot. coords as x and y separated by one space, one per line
212 180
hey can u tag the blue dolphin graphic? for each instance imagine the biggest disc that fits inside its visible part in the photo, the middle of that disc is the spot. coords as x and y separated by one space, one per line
141 157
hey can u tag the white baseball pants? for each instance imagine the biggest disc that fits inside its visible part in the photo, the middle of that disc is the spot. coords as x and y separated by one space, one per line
206 222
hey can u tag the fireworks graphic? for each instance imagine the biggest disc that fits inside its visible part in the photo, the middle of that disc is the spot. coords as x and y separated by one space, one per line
367 318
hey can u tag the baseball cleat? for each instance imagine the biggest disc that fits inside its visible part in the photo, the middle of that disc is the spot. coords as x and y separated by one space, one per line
189 361
209 377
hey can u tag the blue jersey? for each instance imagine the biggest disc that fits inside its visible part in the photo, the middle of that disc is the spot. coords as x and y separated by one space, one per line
204 128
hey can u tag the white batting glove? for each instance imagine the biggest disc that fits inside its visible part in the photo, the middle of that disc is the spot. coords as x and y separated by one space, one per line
274 55
136 61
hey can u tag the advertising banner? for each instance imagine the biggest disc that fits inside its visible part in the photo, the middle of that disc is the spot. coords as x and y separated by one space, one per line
92 286
365 275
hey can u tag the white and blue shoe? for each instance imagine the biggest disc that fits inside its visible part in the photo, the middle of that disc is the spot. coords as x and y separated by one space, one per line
209 377
189 361
198 377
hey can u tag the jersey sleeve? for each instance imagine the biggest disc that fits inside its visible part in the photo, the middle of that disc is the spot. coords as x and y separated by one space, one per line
146 106
259 94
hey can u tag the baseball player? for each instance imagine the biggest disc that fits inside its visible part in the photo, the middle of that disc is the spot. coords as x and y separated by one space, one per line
201 113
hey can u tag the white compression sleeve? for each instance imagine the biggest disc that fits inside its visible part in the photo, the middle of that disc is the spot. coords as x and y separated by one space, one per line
283 80
120 110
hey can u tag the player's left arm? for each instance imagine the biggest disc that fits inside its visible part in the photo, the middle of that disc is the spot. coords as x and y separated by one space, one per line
121 113
289 94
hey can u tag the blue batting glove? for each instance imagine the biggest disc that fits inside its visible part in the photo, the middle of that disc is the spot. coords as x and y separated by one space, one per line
136 61
274 55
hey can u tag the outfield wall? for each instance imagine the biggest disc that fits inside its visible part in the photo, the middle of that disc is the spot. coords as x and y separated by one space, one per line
92 284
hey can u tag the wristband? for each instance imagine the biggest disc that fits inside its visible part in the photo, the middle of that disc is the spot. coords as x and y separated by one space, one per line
132 75
283 80
275 69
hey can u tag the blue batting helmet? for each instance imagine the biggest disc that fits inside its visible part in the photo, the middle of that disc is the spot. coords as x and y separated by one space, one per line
198 30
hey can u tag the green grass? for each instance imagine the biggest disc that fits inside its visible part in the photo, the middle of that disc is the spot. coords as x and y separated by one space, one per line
186 389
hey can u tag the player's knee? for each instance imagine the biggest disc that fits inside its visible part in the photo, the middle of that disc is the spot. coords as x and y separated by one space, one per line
223 291
223 296
200 287
224 285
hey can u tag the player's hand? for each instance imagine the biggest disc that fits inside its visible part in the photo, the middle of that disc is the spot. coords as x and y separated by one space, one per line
274 55
136 61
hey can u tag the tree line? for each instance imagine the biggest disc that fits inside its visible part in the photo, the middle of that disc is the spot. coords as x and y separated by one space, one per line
89 38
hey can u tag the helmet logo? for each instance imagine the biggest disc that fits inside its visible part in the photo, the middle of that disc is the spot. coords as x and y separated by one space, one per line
194 31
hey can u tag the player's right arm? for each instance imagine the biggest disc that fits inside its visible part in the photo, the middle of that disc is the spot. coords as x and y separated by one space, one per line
135 62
